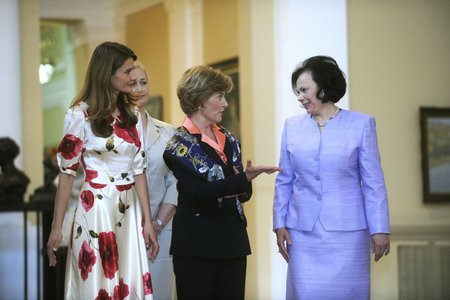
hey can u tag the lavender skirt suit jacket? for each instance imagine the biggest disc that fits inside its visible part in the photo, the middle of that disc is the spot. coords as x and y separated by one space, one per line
331 182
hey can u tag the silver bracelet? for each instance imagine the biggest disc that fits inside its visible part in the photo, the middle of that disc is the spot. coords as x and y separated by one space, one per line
159 223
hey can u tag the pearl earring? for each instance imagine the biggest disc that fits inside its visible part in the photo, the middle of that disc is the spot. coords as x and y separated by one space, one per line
321 94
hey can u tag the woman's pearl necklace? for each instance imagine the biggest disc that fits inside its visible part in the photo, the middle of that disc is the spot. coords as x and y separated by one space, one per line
336 112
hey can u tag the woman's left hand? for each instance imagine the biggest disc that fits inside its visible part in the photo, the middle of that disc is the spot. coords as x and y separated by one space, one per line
283 241
253 171
380 245
151 242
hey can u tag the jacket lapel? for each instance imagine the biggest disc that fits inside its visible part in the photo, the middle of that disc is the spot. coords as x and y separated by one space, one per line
152 133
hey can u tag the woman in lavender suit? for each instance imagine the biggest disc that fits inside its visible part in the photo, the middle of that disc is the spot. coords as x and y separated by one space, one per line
330 206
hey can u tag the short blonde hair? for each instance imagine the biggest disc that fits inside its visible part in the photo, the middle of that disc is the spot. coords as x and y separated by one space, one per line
198 83
139 65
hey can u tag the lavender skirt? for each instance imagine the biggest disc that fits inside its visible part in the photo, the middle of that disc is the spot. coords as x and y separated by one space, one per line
328 265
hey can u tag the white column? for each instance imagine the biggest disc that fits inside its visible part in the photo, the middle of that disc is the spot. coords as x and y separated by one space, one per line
194 32
11 254
303 29
10 101
186 45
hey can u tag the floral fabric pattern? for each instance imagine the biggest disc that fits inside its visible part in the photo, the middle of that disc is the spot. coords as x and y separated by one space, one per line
129 135
87 200
184 147
121 291
108 253
70 146
108 258
103 295
86 260
148 289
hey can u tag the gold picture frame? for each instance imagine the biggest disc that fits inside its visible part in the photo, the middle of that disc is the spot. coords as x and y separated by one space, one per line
232 117
435 146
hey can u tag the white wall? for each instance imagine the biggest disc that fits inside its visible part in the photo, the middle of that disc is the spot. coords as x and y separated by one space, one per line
10 83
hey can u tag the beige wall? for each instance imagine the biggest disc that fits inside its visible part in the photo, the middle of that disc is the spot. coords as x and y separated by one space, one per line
220 30
257 125
147 34
82 56
32 118
399 61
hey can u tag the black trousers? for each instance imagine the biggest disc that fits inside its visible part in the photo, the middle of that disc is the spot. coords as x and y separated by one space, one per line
209 279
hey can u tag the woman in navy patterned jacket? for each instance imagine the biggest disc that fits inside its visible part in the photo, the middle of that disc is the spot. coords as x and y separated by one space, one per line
209 238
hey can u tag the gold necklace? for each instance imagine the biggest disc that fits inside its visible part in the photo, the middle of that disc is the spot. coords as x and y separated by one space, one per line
326 122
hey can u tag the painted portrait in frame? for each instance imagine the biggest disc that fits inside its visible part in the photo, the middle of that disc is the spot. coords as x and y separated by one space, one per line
154 106
231 119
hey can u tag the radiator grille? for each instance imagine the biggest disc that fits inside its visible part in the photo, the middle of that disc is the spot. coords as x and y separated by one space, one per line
424 272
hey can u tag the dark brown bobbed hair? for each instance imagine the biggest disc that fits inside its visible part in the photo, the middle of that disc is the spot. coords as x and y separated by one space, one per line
326 74
198 83
98 92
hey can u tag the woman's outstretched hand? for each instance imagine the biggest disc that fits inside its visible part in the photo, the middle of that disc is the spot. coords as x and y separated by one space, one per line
253 171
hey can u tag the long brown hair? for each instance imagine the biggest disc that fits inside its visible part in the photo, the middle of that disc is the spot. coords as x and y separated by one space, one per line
98 92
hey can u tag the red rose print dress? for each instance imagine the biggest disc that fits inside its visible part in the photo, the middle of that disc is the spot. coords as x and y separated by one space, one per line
107 257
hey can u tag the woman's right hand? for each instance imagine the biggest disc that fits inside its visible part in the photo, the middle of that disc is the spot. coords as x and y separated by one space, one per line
283 240
54 240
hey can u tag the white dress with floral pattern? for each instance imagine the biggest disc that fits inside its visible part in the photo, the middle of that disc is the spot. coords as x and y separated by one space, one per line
107 257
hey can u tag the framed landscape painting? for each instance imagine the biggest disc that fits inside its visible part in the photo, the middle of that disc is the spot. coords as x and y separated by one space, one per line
435 148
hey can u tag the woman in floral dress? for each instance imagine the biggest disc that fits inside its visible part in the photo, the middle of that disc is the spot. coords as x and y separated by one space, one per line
112 225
